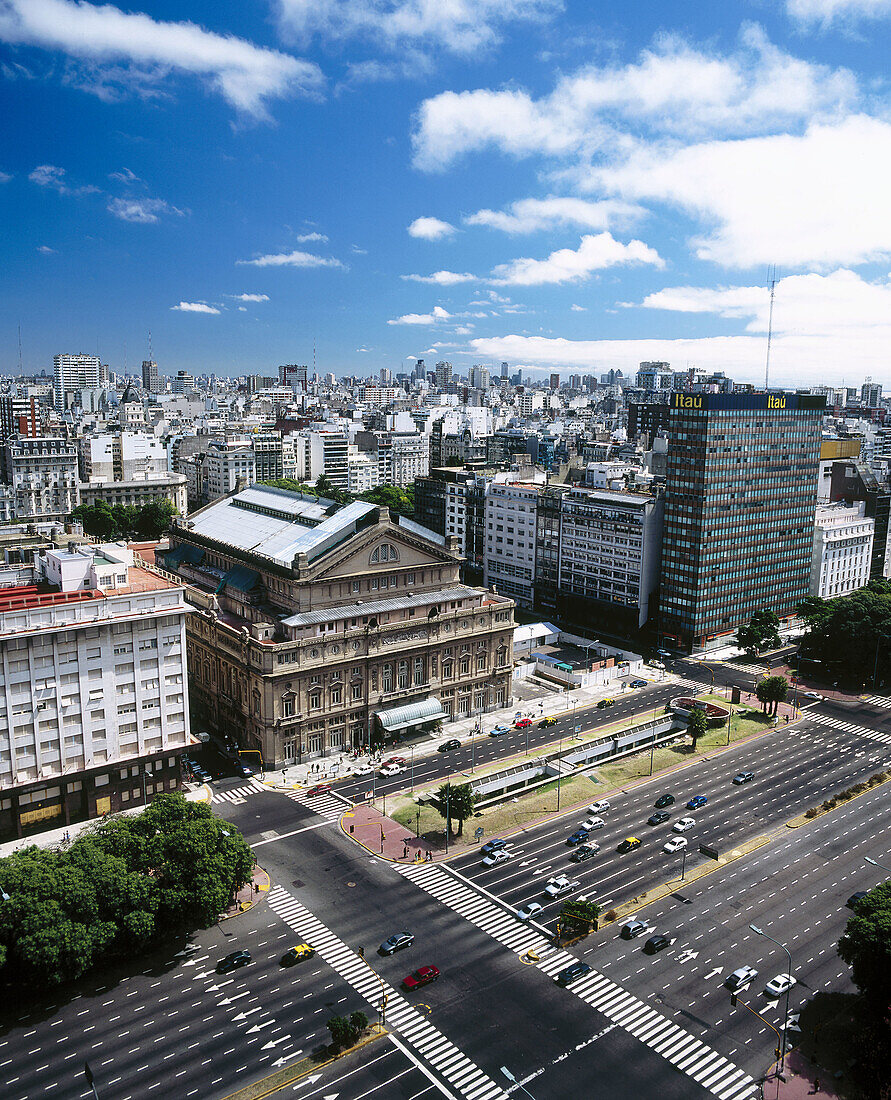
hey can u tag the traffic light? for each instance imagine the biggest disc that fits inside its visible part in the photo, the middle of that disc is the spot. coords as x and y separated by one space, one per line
777 1053
360 951
352 828
733 998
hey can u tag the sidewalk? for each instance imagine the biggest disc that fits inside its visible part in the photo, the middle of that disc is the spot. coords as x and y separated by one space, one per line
801 1075
382 836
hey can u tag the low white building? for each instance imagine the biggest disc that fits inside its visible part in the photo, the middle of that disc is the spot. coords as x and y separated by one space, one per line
842 554
510 522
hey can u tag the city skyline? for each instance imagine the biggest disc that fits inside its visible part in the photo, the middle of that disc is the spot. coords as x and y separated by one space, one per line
544 183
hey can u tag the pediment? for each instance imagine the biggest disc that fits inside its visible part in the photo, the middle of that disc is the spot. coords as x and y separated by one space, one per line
379 549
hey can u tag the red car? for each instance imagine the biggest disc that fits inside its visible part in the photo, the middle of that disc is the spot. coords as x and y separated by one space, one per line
424 975
319 788
522 723
394 760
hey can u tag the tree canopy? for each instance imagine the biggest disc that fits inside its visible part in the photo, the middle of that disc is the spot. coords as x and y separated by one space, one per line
455 802
761 632
771 691
851 635
697 725
866 945
126 885
110 522
399 501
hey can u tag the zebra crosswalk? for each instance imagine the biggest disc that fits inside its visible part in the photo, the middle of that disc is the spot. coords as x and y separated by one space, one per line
325 805
438 1052
688 1054
849 727
237 795
878 700
756 670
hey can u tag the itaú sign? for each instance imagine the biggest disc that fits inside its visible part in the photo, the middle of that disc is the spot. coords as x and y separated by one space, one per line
725 402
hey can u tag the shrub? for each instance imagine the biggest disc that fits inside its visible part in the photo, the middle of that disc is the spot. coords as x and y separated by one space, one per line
611 915
812 812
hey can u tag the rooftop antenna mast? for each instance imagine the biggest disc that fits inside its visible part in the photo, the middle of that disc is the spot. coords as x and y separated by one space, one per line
771 286
21 368
150 345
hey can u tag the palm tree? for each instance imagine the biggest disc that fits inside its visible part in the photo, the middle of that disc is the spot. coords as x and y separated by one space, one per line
456 800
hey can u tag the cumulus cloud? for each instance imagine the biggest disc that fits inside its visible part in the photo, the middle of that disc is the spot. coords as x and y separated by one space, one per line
459 26
825 12
249 297
568 265
578 309
56 179
45 250
120 46
142 211
125 176
430 229
673 90
442 278
310 238
194 307
293 259
439 314
533 215
5 177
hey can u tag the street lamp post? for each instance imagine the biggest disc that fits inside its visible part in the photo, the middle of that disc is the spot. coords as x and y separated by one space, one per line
875 863
507 1073
145 769
759 932
559 768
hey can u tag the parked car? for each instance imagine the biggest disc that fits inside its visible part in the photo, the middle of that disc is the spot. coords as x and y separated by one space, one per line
570 973
577 837
777 986
319 788
638 684
602 703
362 767
522 723
529 910
676 844
396 943
656 943
547 722
851 903
632 928
558 886
743 777
628 843
447 746
592 823
665 800
599 807
235 960
496 844
497 731
741 978
583 852
424 975
395 760
297 954
696 801
683 824
494 858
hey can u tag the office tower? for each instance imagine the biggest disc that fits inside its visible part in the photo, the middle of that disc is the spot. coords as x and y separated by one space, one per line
479 377
293 375
555 382
443 374
575 381
183 382
740 499
71 373
854 481
18 416
504 367
151 383
871 394
386 376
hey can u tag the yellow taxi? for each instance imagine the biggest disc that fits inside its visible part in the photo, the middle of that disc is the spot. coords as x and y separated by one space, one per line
297 954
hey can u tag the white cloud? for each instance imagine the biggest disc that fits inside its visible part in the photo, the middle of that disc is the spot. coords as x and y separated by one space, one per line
141 211
532 215
310 238
578 309
673 90
463 330
293 259
194 307
5 177
249 297
442 278
148 51
460 26
438 314
359 251
568 265
825 12
242 309
430 229
798 201
124 176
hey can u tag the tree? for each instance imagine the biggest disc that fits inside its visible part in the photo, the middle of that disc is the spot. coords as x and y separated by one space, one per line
762 632
154 519
851 635
98 520
456 801
866 946
358 1023
697 725
577 918
771 691
341 1032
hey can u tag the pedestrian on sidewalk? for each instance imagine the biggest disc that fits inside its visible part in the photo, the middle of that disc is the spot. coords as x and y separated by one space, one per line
404 850
816 1087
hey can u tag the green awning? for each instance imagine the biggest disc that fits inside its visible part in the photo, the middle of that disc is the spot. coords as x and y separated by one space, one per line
191 555
241 578
411 714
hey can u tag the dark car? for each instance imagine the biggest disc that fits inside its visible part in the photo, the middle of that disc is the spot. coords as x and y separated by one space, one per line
242 769
854 898
658 817
496 844
696 801
447 746
638 684
234 961
570 973
424 975
577 837
396 943
583 852
656 943
743 777
665 800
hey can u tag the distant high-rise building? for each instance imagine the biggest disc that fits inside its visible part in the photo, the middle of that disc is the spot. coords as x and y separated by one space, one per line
871 394
443 373
504 367
72 373
575 381
479 377
386 376
740 498
183 382
151 383
555 382
293 375
18 416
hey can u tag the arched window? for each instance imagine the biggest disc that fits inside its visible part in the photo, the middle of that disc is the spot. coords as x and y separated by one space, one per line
385 552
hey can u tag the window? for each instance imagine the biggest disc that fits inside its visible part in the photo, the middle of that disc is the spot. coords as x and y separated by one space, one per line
336 695
315 700
382 553
387 678
356 691
288 706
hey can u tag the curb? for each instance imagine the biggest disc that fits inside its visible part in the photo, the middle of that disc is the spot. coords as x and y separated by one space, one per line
246 906
380 855
797 822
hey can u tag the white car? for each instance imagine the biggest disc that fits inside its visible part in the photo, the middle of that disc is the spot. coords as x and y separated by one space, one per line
684 824
675 844
392 769
599 807
529 910
592 823
559 885
362 769
777 986
496 857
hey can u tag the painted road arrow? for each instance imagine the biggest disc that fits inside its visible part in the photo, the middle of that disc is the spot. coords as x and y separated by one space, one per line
258 1027
308 1081
274 1042
714 973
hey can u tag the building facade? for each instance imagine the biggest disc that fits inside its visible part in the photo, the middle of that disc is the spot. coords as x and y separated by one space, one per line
43 477
72 373
509 562
843 537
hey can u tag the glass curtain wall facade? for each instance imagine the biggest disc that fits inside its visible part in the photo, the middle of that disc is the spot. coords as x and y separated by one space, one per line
739 511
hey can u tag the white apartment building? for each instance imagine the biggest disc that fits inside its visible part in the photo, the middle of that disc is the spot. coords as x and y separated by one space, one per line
510 521
123 456
93 701
42 473
362 472
222 467
319 453
172 487
72 373
842 554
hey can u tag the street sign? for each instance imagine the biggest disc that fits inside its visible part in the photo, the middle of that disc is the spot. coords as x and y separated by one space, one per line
480 832
578 729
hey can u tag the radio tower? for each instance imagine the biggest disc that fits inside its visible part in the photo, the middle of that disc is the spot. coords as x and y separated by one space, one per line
771 286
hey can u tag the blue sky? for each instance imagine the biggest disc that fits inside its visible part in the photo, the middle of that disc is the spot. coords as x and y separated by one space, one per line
569 186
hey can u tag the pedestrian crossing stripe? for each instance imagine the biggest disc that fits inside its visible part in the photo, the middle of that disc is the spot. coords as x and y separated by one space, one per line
325 805
707 1067
878 700
849 727
438 1052
237 795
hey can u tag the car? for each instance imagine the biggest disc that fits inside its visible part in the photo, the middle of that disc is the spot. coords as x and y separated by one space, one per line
632 928
362 768
779 985
599 807
235 960
558 886
424 975
683 824
663 653
741 978
297 954
395 760
547 722
638 684
665 800
319 788
496 844
676 844
583 852
743 777
658 817
628 843
242 769
396 942
603 703
493 858
815 695
391 769
522 723
529 910
592 823
497 731
656 943
851 903
696 801
571 973
447 746
577 837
